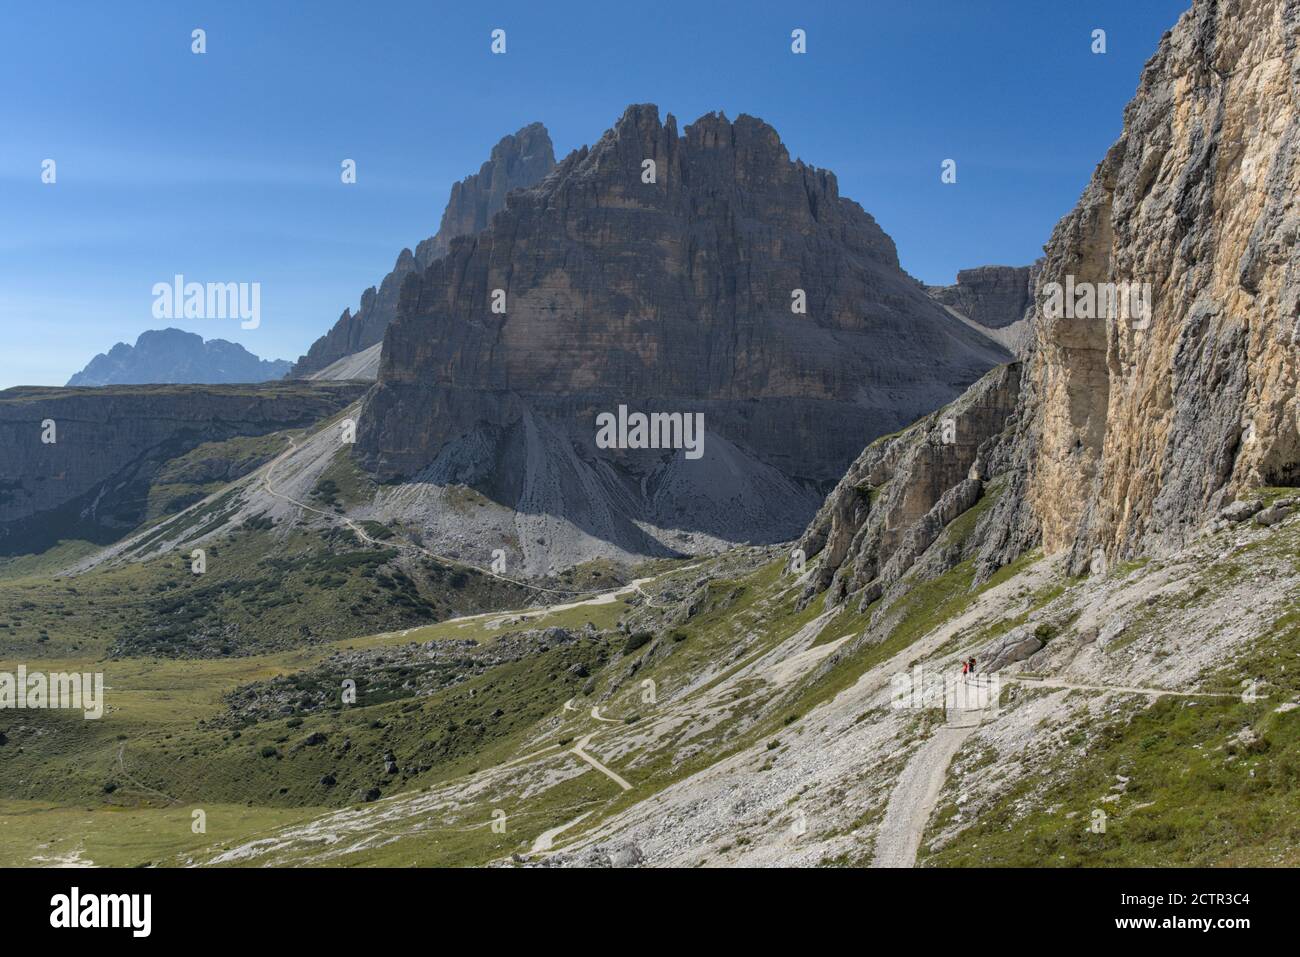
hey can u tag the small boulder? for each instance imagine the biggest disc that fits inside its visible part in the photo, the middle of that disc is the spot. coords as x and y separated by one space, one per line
1110 631
1015 646
1240 510
628 855
1272 515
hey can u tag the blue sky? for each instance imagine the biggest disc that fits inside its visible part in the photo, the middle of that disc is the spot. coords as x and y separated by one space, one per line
225 166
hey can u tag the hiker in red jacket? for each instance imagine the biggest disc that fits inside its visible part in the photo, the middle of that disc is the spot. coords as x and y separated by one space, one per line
964 666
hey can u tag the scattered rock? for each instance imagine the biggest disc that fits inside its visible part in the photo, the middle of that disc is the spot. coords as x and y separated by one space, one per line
629 855
1111 630
1240 510
1016 645
1272 515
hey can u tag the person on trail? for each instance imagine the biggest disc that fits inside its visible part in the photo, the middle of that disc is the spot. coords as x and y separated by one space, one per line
972 664
964 666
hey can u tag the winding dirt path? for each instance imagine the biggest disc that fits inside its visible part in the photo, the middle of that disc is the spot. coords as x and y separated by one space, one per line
121 765
914 796
546 840
1060 683
918 788
577 750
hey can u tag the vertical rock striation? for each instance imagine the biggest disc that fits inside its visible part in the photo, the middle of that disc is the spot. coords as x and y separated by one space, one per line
1144 430
677 295
1131 428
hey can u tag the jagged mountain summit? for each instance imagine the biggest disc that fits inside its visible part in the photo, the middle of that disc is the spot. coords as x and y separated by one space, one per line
168 356
753 707
518 160
670 289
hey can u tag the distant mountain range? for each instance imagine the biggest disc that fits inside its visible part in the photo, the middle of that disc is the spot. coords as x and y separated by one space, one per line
167 356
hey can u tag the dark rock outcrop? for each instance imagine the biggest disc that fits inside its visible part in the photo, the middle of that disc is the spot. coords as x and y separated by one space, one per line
996 299
675 294
176 356
519 160
905 489
993 296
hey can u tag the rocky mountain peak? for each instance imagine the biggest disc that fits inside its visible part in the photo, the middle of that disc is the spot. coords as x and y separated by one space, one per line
176 356
516 161
701 272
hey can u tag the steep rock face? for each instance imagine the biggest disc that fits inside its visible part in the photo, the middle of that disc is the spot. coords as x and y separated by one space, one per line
517 161
993 296
92 481
176 356
998 300
1130 429
1144 429
904 489
672 295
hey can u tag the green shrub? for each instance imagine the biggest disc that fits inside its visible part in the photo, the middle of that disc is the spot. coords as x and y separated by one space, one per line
636 640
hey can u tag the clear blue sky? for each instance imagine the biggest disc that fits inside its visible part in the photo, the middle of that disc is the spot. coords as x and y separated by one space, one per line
225 166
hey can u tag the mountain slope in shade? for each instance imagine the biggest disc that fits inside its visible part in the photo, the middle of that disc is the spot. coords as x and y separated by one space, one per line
173 356
993 296
518 160
998 300
675 296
